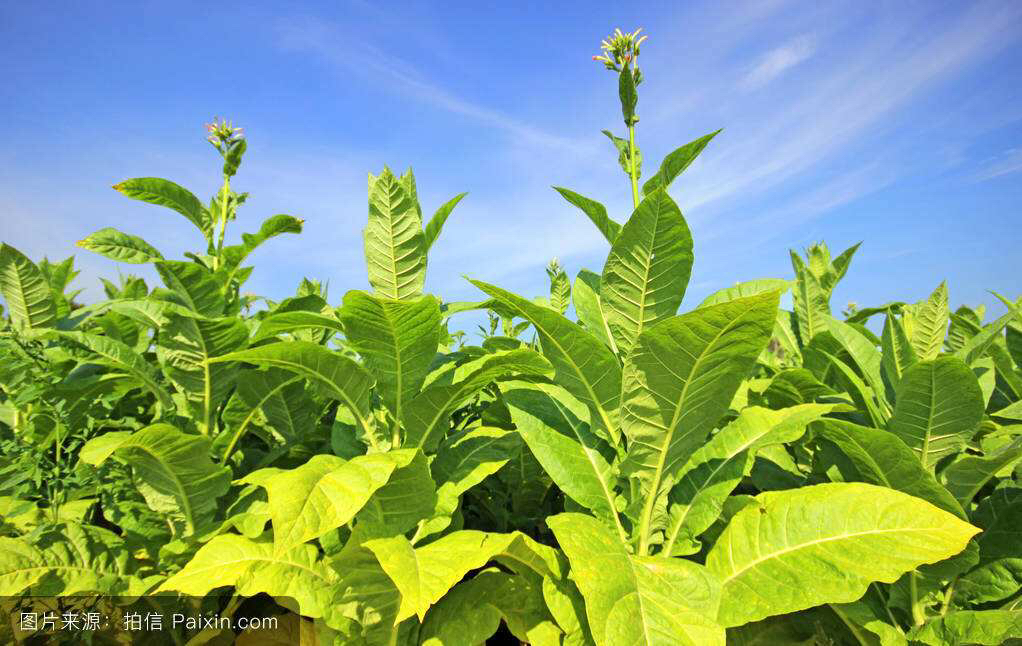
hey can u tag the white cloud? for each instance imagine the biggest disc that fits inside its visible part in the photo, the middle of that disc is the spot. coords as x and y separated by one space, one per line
1006 164
777 61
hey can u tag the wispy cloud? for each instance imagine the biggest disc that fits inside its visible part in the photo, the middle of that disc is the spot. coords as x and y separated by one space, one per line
1006 164
777 61
350 53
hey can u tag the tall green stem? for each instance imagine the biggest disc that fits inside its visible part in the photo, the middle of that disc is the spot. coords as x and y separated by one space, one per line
632 170
224 192
918 615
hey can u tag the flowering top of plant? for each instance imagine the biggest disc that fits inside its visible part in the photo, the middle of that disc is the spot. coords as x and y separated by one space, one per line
222 135
620 49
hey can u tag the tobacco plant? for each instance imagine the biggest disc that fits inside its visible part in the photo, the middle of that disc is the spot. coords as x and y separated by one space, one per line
738 473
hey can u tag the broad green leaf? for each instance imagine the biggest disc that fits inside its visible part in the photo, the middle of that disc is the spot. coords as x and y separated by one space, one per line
464 460
271 227
286 322
716 468
870 615
556 429
929 324
596 212
365 600
395 245
253 567
408 497
898 355
337 375
325 493
114 354
254 390
436 223
626 92
966 476
173 471
24 288
583 365
68 559
120 246
585 295
185 347
560 287
811 301
865 357
960 627
423 575
193 285
825 544
881 458
1000 516
471 612
637 599
166 193
647 271
993 580
748 288
426 417
938 408
624 157
679 380
675 164
397 340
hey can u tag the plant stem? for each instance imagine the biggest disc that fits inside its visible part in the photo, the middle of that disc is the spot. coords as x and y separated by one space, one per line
918 615
632 170
224 192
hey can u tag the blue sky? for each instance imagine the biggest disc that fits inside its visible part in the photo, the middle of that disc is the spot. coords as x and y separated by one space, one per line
895 123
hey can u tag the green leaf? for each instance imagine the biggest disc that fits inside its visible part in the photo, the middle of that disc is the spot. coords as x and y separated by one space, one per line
166 193
717 467
897 353
986 627
560 287
993 580
825 544
120 246
938 408
286 322
24 288
629 98
185 347
193 285
557 431
586 296
929 324
173 471
881 458
68 559
811 301
395 245
396 340
637 599
966 476
426 416
675 164
680 379
748 288
337 375
647 271
585 367
408 497
325 493
271 227
425 574
436 223
624 154
115 354
253 567
596 212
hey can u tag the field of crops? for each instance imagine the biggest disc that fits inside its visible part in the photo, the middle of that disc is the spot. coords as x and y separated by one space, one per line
594 468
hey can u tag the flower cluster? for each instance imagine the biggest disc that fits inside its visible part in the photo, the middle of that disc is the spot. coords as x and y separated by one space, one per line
222 135
620 49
